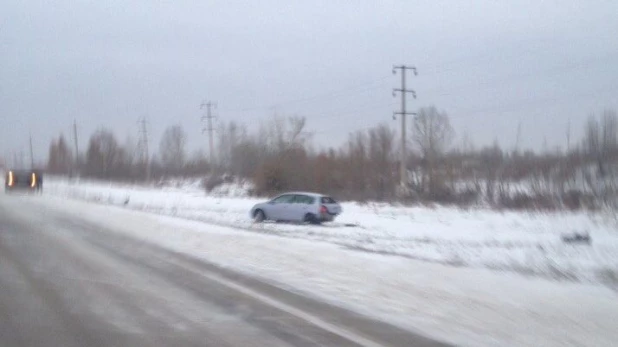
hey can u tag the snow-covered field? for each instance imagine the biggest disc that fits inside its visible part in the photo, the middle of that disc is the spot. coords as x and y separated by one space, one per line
465 306
528 244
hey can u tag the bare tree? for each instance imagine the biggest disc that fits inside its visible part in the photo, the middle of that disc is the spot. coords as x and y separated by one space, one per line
432 133
60 157
592 136
609 132
357 165
246 158
230 137
283 142
467 145
608 156
601 138
132 157
283 133
104 155
490 165
381 158
172 148
197 164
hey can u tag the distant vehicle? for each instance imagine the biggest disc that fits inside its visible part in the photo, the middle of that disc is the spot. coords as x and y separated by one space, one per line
31 180
302 207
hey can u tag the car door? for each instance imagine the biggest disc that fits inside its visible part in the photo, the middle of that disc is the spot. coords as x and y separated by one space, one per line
300 206
278 207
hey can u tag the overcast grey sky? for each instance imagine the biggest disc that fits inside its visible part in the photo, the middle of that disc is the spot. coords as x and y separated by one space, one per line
490 65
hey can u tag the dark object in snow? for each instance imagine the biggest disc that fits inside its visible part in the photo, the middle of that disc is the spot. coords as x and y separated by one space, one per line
577 238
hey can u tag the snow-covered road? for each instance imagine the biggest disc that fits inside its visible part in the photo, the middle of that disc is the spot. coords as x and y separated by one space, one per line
72 281
466 305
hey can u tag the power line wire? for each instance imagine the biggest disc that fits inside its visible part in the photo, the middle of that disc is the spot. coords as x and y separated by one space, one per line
523 104
488 83
465 63
356 88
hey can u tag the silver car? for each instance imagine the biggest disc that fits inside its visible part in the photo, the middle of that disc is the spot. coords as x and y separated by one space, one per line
297 207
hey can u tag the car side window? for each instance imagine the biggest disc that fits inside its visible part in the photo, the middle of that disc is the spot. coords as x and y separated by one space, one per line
303 199
283 199
307 200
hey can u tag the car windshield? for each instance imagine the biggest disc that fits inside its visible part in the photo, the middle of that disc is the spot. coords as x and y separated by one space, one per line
19 175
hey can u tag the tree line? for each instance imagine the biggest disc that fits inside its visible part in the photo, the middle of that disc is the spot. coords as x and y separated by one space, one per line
278 155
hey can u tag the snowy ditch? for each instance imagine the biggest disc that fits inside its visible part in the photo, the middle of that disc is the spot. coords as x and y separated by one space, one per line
530 244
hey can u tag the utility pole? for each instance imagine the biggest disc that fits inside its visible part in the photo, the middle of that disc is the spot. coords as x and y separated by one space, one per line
209 117
142 145
31 154
545 146
76 147
75 139
568 137
518 138
20 159
403 113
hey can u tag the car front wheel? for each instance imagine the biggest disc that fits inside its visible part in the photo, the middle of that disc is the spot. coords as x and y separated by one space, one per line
259 216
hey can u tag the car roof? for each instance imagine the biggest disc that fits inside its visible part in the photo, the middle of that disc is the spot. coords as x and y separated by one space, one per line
21 172
316 195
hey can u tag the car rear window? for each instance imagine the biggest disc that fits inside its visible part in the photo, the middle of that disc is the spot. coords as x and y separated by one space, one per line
20 176
327 200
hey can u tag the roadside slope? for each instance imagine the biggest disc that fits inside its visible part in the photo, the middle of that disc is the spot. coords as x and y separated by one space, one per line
528 243
460 305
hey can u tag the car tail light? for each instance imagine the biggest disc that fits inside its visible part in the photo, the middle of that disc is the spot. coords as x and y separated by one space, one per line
10 178
33 183
323 209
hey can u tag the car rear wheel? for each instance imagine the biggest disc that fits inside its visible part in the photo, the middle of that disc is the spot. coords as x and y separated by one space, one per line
311 219
259 216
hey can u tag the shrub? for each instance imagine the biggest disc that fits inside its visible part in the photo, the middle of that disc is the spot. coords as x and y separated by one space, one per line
212 182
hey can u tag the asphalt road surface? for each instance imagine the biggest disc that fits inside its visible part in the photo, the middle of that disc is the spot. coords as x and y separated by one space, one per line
67 282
